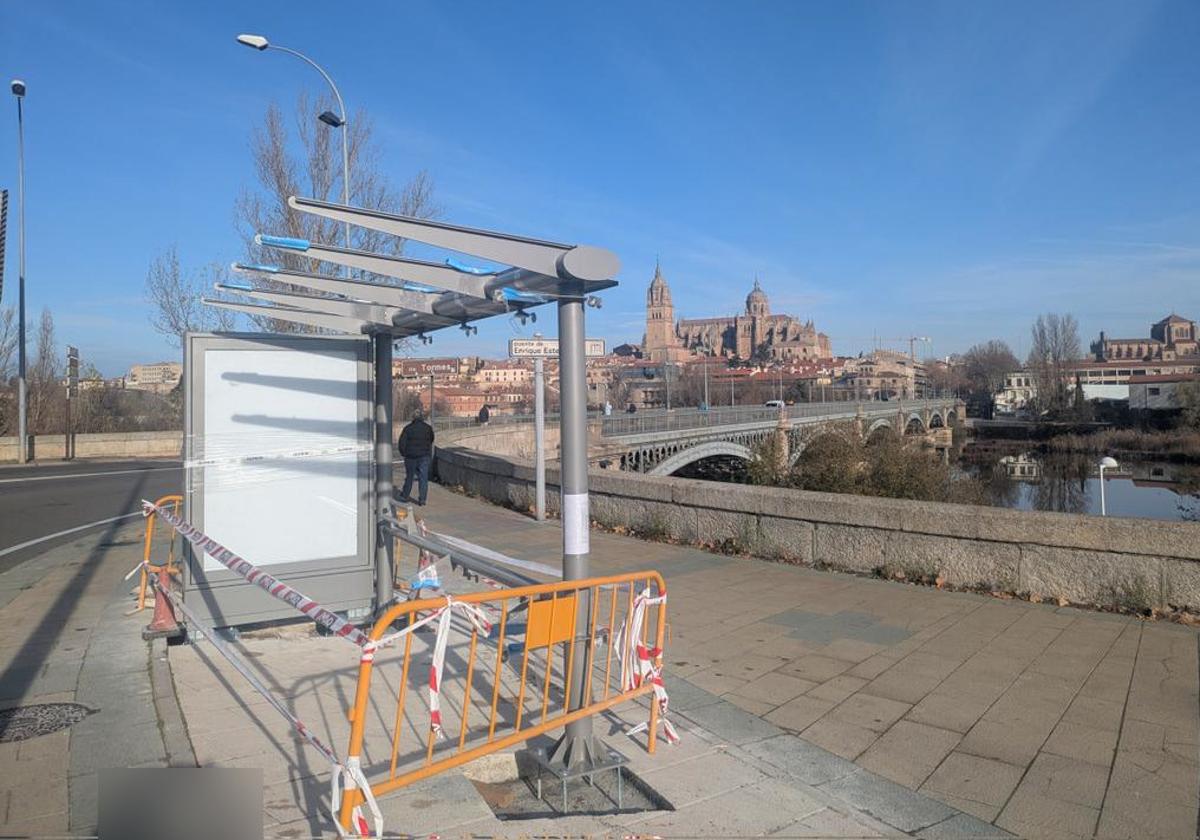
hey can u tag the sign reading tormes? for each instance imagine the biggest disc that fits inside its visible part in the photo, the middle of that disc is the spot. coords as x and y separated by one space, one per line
547 348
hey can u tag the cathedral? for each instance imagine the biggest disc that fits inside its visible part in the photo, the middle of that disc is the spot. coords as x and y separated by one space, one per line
756 335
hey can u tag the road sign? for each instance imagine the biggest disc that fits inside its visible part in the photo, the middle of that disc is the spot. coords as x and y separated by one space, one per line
72 371
547 348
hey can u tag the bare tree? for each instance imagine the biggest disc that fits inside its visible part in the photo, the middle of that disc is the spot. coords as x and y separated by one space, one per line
174 296
45 394
8 390
1054 351
307 166
984 367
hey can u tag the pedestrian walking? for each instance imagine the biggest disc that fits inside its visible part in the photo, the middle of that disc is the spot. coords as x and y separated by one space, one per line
484 416
416 447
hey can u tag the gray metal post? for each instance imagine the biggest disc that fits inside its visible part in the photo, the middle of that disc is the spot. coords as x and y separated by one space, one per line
539 435
577 746
431 399
22 387
383 468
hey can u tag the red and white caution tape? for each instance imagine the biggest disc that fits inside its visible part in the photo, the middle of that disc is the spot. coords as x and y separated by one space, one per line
307 452
640 664
336 625
473 614
348 775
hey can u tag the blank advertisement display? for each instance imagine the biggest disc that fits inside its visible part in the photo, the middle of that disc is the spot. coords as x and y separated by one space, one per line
278 458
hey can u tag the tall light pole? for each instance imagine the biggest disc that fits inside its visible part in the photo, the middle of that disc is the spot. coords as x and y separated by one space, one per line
260 43
18 89
1106 463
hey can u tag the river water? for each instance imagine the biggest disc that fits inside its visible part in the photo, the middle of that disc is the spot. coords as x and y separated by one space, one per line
1028 479
1020 476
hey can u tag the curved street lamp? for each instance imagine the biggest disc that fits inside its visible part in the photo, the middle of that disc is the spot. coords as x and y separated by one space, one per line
1106 463
260 43
18 90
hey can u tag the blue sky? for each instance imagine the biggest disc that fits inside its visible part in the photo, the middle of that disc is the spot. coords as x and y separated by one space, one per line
940 169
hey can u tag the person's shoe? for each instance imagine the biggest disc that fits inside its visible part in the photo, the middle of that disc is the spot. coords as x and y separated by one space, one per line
420 503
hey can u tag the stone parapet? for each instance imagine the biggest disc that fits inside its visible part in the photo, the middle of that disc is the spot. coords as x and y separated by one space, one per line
1085 559
100 445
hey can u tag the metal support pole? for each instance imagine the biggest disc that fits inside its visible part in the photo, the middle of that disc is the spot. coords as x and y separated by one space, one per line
431 399
383 468
1103 501
577 746
539 435
22 387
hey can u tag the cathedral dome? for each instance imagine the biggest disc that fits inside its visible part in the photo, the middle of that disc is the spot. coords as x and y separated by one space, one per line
756 301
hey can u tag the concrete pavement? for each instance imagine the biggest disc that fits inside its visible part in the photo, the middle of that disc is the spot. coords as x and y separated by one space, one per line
811 703
64 639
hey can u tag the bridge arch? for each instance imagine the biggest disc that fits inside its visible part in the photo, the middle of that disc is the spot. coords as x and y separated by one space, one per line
698 453
881 423
936 421
951 418
915 424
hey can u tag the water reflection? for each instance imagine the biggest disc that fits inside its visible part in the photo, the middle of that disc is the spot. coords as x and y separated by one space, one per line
1070 483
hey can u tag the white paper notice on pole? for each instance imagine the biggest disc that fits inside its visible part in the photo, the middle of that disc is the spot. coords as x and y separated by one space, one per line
575 523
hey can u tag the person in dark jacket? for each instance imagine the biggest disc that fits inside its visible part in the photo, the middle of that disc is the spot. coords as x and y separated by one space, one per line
416 447
484 415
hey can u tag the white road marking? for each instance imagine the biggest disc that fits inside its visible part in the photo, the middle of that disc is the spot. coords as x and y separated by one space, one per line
28 543
86 475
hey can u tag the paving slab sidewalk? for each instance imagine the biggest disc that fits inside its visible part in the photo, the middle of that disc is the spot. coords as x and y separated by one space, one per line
1045 721
64 638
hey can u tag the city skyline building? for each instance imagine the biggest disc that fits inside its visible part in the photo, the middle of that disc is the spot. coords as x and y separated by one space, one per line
755 335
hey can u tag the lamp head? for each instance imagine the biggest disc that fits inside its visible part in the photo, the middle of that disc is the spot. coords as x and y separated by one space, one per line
18 87
331 119
1108 463
258 42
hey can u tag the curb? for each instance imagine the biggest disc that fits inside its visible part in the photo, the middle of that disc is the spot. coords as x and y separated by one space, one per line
170 717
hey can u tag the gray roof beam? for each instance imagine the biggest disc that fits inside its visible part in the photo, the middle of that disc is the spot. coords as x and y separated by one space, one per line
402 268
296 316
581 263
332 306
378 293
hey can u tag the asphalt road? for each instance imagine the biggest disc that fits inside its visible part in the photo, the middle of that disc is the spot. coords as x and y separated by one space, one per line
44 505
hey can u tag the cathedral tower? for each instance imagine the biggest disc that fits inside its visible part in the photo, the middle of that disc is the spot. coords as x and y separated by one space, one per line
660 319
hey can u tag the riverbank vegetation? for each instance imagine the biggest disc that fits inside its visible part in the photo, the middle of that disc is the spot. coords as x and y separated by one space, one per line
839 460
1181 444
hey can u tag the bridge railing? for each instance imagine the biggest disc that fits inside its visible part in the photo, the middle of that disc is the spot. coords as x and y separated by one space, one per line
694 418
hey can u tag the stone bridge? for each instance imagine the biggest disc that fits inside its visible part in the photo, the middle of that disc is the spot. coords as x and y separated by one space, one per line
663 443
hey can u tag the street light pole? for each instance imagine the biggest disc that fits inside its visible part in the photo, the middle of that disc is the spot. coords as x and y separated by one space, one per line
1106 463
18 89
260 43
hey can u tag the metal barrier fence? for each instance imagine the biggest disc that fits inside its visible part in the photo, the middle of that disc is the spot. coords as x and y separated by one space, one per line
512 688
174 502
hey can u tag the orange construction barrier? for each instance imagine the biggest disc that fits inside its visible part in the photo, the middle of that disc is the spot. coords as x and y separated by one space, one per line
510 695
175 502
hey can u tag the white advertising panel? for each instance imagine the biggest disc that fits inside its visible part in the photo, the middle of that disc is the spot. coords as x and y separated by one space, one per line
281 453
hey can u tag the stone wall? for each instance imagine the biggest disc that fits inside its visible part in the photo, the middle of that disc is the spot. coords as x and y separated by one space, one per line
1084 559
107 445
